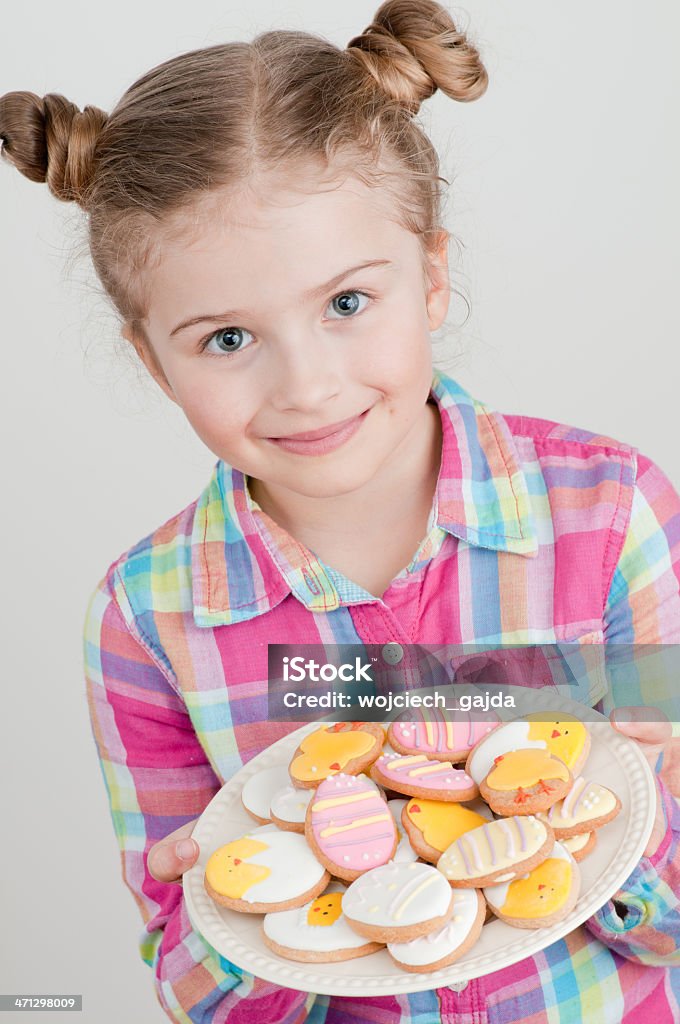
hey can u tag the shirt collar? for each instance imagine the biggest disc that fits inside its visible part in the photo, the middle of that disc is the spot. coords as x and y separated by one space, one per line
244 564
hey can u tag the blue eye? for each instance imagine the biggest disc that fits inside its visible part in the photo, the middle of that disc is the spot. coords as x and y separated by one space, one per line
347 303
226 340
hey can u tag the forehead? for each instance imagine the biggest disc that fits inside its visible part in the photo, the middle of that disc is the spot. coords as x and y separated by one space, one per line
272 236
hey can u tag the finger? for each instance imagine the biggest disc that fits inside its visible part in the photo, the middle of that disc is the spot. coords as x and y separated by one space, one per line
169 860
648 725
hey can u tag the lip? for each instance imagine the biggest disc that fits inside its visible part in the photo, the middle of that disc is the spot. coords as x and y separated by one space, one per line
325 439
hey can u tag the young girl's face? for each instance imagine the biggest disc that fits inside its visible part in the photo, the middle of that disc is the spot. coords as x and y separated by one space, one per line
294 314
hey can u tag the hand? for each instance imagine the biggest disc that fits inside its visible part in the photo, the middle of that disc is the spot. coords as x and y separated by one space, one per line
169 858
652 737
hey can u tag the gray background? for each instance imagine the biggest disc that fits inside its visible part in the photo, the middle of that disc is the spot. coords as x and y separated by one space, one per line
565 197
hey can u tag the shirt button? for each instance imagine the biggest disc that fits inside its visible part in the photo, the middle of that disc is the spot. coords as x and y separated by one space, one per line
458 986
392 653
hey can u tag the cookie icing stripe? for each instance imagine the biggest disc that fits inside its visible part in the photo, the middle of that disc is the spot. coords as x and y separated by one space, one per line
354 842
376 889
492 851
336 801
510 848
402 763
332 830
576 789
345 817
522 833
433 769
466 862
407 897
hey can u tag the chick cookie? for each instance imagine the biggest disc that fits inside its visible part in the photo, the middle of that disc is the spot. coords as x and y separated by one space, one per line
264 870
497 851
432 825
560 734
349 826
525 782
444 738
587 806
417 775
398 902
447 944
348 747
542 897
317 932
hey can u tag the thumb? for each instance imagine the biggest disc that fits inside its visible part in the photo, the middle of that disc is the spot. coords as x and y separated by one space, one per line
648 726
172 856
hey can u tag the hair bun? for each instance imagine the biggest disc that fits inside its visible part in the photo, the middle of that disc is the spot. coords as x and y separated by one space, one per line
51 140
412 48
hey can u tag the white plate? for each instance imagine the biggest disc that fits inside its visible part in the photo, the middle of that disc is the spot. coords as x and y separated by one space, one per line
614 760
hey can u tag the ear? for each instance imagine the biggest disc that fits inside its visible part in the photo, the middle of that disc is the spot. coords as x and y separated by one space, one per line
148 357
439 287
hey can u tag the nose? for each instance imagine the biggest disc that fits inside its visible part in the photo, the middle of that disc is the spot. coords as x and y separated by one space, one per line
307 376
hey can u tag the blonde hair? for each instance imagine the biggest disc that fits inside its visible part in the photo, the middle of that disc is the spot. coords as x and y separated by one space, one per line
214 118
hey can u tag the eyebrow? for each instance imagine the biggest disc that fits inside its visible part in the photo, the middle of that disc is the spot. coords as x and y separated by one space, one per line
314 293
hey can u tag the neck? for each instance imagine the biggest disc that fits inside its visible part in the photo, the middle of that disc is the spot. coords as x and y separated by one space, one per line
403 487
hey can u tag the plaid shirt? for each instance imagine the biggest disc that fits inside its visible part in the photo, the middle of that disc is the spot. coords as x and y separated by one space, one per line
538 533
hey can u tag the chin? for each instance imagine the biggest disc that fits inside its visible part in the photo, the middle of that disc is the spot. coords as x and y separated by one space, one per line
316 484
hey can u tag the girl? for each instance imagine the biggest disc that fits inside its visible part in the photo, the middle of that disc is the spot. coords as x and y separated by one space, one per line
266 218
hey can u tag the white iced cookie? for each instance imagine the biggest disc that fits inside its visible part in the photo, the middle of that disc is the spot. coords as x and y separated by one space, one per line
316 932
257 793
447 944
587 806
289 807
398 902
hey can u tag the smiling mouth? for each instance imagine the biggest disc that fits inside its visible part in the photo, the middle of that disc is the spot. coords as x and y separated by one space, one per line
316 435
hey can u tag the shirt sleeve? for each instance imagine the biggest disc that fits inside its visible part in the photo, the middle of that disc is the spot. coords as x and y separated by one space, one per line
157 778
642 920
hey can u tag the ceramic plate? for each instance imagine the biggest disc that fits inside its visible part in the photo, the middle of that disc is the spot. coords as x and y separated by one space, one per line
613 759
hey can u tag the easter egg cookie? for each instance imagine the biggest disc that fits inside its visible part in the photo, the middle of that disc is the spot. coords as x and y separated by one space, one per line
316 932
348 747
497 851
560 734
587 806
580 846
447 944
542 897
417 775
432 825
289 807
349 826
257 792
404 851
525 782
398 902
264 870
444 738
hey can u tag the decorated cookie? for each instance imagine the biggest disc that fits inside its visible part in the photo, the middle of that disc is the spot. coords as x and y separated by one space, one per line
580 846
542 897
525 782
587 806
257 792
289 807
398 902
444 738
447 944
417 775
405 851
316 932
561 735
497 851
432 825
264 870
348 747
349 826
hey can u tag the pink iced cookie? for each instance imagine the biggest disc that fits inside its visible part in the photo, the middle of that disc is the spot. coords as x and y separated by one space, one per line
417 775
444 738
349 826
